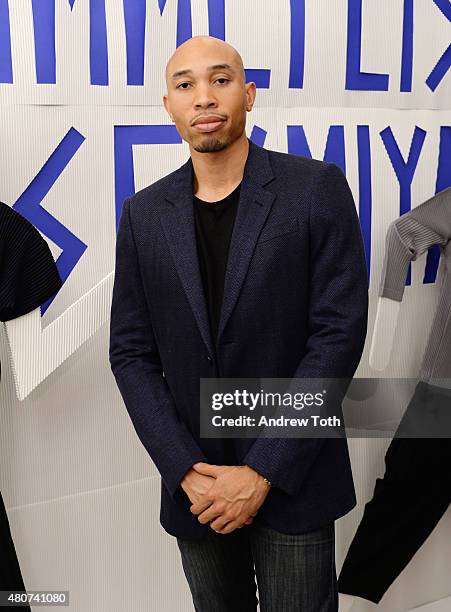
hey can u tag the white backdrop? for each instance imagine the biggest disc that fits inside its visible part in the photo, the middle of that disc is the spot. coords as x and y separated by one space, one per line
81 492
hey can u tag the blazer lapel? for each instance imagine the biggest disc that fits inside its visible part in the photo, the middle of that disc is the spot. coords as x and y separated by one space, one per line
179 228
178 225
253 209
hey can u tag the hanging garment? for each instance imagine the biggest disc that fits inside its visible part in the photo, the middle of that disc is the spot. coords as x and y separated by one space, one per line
408 237
415 491
28 277
406 506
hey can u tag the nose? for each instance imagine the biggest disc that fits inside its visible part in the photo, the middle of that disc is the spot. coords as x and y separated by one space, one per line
205 97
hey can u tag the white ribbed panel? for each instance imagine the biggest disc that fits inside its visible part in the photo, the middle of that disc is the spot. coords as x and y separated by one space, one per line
71 434
36 352
443 605
105 547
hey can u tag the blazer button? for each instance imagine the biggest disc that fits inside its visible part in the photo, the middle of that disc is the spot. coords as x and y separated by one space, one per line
210 359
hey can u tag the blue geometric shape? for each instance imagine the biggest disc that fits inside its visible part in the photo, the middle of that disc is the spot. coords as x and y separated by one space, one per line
297 43
260 76
335 144
335 147
6 64
407 47
184 21
439 71
258 136
444 63
365 191
125 136
297 141
135 32
98 43
355 78
29 206
44 40
216 18
442 182
445 7
404 171
444 160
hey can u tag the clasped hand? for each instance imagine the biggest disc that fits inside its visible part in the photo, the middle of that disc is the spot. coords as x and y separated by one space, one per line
226 496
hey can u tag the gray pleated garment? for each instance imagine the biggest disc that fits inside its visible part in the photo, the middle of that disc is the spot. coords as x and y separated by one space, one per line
407 238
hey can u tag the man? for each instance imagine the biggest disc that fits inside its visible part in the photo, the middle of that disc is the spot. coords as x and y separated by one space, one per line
242 263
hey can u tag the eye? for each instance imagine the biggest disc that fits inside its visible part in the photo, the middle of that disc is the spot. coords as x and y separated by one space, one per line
223 79
180 85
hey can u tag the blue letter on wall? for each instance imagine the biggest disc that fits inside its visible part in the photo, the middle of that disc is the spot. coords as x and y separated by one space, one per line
44 41
29 206
297 43
6 65
404 171
125 136
355 79
444 63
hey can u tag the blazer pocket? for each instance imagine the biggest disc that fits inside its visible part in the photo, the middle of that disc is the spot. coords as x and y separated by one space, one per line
279 229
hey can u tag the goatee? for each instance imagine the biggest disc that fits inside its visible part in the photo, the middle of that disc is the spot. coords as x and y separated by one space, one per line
210 146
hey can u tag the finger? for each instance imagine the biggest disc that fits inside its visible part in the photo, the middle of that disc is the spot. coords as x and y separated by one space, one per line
203 502
229 527
219 524
208 515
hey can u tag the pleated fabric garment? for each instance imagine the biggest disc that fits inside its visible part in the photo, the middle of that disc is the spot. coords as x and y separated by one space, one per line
28 277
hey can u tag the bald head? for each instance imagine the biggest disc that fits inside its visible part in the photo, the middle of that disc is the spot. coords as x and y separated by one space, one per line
207 95
203 46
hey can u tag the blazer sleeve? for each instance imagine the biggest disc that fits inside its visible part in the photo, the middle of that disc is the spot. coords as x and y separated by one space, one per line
410 236
338 310
138 371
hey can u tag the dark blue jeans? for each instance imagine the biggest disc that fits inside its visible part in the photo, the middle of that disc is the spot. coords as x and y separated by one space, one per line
295 573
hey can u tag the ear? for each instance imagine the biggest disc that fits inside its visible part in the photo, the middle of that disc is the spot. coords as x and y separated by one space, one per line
251 91
166 106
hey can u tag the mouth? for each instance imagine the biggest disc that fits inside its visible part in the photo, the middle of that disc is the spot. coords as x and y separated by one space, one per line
209 124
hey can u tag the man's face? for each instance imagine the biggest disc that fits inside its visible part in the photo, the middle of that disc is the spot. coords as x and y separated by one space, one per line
207 97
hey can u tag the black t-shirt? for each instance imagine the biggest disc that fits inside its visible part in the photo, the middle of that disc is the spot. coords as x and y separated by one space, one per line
214 224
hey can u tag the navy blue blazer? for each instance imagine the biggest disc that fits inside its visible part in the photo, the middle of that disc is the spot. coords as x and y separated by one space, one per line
295 305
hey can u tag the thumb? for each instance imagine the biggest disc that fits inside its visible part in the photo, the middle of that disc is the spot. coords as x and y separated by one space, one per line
207 468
